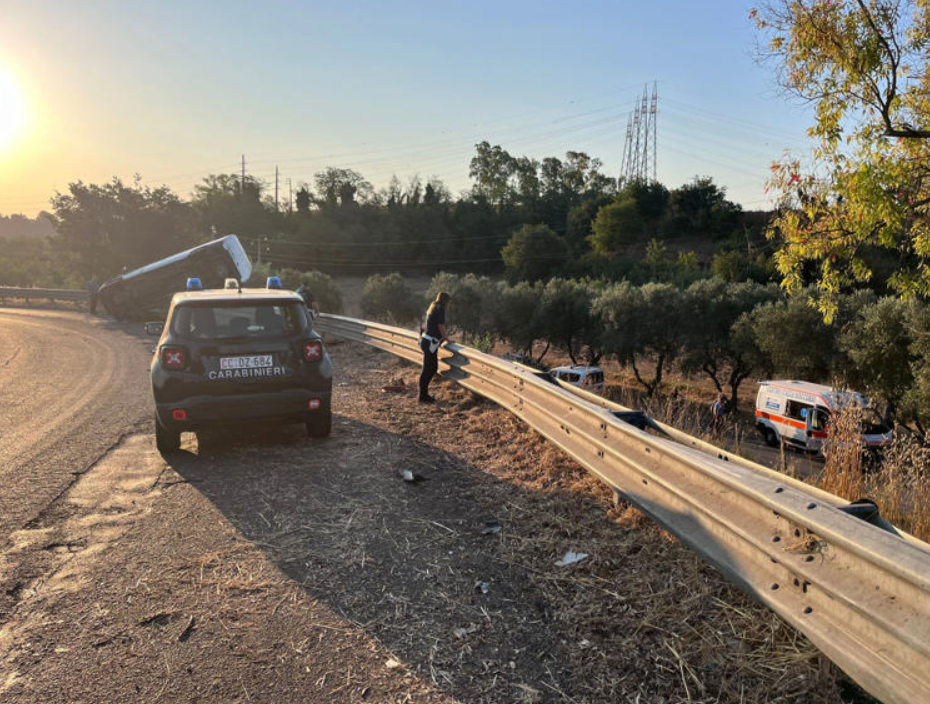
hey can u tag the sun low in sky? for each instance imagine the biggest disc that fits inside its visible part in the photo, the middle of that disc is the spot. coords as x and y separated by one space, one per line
12 111
96 90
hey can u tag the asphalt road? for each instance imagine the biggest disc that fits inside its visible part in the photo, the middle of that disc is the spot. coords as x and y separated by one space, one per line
71 388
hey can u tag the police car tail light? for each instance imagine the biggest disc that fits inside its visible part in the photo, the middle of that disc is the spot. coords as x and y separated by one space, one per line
313 351
173 357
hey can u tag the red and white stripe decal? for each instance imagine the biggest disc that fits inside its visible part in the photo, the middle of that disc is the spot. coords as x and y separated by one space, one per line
790 421
780 419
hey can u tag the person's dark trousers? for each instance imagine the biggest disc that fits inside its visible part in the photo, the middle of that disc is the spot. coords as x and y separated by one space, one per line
430 367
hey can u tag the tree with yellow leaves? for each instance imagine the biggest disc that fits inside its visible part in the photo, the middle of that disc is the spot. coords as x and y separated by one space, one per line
863 66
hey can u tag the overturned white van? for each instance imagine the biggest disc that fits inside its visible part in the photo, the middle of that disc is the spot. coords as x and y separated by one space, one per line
798 413
583 376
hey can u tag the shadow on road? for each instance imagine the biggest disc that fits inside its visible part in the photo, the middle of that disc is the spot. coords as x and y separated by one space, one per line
487 616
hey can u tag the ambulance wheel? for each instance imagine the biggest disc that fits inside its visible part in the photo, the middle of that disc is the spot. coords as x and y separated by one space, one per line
771 437
320 424
166 440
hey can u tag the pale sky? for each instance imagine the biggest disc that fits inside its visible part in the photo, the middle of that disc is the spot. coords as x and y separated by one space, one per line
175 90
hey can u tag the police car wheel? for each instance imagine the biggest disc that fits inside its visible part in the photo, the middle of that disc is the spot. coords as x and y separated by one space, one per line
771 438
320 424
166 440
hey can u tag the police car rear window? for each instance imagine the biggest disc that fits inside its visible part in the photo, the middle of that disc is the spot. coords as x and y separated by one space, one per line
217 321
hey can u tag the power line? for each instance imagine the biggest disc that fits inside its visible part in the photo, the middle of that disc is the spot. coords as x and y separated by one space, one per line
382 264
448 240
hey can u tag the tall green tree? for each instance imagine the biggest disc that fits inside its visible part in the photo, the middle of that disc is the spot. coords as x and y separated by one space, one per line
303 200
113 226
701 208
343 187
617 226
534 252
517 317
492 169
225 204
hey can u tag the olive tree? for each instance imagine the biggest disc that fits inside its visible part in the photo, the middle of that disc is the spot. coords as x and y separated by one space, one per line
387 297
473 300
712 308
516 318
793 339
642 324
566 320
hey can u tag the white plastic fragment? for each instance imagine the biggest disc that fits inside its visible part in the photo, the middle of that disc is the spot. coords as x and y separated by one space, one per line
571 558
462 632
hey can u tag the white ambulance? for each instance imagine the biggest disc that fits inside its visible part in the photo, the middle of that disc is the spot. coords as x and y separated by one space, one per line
584 377
798 413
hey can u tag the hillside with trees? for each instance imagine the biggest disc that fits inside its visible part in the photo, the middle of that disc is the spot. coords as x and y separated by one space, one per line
524 218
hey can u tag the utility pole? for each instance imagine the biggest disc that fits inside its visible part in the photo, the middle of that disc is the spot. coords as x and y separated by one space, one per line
290 196
640 153
258 249
654 114
276 188
242 178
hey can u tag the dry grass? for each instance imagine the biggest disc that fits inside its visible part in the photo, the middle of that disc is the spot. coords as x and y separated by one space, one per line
898 481
642 619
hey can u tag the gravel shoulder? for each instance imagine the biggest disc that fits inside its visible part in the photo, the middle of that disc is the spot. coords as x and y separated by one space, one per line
260 566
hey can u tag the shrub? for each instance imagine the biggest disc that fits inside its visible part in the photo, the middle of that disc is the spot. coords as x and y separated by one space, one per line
388 298
327 294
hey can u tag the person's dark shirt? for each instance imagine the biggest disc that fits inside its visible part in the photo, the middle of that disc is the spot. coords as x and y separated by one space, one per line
306 294
434 319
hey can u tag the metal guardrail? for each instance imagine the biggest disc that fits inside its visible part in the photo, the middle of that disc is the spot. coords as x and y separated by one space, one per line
860 593
45 294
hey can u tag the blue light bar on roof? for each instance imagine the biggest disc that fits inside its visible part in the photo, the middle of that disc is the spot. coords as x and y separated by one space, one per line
194 284
274 282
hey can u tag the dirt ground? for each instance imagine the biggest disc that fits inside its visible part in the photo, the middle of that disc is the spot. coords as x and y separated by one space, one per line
262 567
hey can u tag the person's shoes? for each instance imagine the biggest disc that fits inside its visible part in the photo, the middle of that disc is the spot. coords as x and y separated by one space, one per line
426 399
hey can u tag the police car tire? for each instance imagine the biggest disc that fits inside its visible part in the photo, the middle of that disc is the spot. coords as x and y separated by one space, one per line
771 437
166 440
320 425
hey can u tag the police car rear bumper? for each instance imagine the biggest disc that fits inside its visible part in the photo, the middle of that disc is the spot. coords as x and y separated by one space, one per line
292 405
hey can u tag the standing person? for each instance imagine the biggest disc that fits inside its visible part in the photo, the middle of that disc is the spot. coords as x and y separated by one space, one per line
309 300
93 288
431 338
719 410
